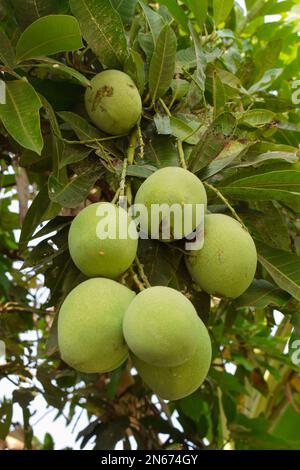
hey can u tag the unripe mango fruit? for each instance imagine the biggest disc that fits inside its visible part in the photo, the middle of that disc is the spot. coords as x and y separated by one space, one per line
226 264
171 185
113 102
160 326
96 257
174 383
90 334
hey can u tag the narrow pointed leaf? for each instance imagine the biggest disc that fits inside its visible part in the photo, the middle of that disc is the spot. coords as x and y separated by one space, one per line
7 53
20 115
162 65
283 267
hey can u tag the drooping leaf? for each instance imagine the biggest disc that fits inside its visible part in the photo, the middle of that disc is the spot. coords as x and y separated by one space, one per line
260 294
7 53
103 30
154 20
279 185
162 65
199 9
49 35
56 67
76 190
212 142
82 128
283 267
20 114
257 117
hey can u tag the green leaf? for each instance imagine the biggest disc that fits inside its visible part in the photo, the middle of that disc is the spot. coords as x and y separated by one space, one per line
179 88
257 117
82 128
267 158
126 9
27 11
199 9
229 154
76 190
7 53
35 215
161 152
20 115
162 65
260 294
73 153
281 186
219 96
212 142
222 8
103 30
49 35
56 67
154 20
184 129
177 13
283 267
135 68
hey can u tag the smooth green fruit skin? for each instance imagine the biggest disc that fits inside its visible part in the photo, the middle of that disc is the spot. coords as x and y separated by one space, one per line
95 257
174 383
160 326
172 185
90 334
113 102
226 265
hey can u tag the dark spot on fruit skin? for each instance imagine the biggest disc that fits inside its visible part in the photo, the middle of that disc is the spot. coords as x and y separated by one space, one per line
103 92
131 86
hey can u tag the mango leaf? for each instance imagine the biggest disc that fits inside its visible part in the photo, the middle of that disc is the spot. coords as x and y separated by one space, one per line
140 171
257 117
20 115
185 59
154 20
82 128
160 151
162 123
125 8
199 10
260 294
35 215
184 129
56 67
266 81
281 186
73 153
212 142
135 68
27 11
222 8
7 53
103 30
49 35
201 63
179 88
283 267
219 96
162 65
266 57
232 150
267 158
265 217
177 13
76 190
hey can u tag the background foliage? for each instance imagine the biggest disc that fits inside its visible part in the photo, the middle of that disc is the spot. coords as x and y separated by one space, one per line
220 92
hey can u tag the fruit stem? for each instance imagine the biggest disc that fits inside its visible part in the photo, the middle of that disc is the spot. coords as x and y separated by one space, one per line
132 145
136 279
226 202
181 154
142 272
